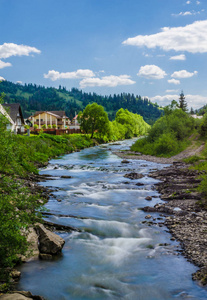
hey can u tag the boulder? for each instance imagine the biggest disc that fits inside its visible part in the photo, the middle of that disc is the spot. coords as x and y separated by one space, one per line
14 296
125 161
49 242
33 249
148 198
133 175
20 295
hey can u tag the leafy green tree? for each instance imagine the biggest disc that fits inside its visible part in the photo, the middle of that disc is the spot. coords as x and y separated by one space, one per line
94 119
168 135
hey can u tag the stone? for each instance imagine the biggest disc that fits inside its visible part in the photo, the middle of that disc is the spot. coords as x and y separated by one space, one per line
20 295
14 296
148 217
133 175
148 198
33 249
139 184
125 161
49 242
65 176
15 274
44 256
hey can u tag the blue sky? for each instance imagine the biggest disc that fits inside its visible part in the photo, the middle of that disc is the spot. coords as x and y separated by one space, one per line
152 48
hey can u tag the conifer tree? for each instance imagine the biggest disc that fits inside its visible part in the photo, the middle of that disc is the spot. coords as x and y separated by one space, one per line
182 103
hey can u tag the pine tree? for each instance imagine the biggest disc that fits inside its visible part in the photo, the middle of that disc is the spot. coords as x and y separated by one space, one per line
182 103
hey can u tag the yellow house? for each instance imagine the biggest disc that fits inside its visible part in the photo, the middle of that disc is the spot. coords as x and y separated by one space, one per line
55 119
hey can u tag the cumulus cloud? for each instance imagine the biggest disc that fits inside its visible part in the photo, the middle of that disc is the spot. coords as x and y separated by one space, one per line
191 38
4 64
81 73
164 100
19 82
174 81
109 81
151 72
183 74
188 2
2 78
178 57
195 101
10 49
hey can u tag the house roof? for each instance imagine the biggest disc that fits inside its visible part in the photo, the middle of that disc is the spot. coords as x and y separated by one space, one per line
13 109
59 114
4 112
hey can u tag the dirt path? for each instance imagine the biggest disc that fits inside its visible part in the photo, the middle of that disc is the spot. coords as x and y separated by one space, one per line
190 151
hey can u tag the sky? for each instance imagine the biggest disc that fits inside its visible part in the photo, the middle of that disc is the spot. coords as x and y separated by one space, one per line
152 48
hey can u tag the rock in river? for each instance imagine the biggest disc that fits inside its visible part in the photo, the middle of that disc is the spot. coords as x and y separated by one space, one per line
133 175
49 242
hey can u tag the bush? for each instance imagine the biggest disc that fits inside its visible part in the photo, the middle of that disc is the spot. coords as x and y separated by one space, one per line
168 136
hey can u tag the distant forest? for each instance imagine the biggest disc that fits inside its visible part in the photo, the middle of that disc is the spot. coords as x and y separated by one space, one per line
39 98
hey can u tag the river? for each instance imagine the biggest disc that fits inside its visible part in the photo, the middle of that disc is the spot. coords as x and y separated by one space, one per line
115 256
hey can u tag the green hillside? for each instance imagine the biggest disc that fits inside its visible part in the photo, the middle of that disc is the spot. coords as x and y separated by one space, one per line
35 98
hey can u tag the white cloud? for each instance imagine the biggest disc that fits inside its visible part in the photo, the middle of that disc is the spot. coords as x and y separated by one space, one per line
183 74
172 91
2 78
4 64
19 82
188 2
195 101
10 49
191 38
110 81
164 100
81 73
178 57
174 81
151 72
197 2
187 13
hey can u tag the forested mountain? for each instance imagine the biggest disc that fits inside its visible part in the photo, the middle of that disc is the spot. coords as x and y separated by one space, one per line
35 98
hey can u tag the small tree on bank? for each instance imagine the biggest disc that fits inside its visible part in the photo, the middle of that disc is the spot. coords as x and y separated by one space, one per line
94 118
182 103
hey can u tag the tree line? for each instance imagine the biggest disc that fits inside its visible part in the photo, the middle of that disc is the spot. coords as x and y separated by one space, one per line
39 98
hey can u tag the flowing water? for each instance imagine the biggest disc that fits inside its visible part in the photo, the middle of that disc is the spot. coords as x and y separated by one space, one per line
115 255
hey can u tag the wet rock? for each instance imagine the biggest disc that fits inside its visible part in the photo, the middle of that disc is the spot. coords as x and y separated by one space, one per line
20 295
49 242
65 176
125 161
148 217
139 184
148 198
15 274
133 175
44 256
201 276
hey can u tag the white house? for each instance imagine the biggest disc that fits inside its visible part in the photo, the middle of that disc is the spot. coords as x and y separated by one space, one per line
15 117
10 125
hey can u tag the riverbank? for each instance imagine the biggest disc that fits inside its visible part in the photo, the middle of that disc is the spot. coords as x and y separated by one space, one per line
190 151
184 216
